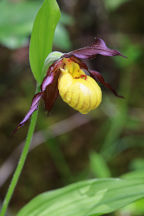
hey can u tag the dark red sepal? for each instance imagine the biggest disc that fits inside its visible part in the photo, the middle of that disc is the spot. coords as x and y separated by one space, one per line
98 77
50 84
51 92
48 79
88 52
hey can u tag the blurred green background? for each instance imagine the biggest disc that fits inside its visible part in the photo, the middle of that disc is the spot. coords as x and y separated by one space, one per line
68 147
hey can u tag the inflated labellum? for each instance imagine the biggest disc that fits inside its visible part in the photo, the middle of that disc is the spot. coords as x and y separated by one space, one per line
77 89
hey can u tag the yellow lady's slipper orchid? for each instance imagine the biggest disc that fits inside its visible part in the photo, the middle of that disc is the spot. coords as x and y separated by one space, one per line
77 89
66 77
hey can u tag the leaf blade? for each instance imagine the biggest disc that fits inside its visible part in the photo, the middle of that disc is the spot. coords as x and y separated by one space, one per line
42 36
86 198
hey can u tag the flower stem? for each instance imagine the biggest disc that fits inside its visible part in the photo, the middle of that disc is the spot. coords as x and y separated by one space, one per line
20 165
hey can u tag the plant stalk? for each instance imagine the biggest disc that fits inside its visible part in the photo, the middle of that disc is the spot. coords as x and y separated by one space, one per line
20 164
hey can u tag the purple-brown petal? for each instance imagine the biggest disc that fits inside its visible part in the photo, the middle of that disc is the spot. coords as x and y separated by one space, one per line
50 76
50 85
98 77
47 81
34 106
98 47
51 92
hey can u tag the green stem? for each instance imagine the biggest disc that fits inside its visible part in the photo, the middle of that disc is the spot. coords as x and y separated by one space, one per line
20 165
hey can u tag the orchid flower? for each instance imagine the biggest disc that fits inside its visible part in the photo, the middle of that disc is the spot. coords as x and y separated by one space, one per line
66 77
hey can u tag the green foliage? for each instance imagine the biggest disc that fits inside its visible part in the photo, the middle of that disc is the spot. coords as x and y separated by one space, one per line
42 36
134 175
17 21
61 38
132 51
86 198
135 208
114 4
56 153
137 164
98 166
121 119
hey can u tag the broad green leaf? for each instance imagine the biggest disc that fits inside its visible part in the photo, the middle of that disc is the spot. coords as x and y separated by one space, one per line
137 207
138 174
86 198
42 36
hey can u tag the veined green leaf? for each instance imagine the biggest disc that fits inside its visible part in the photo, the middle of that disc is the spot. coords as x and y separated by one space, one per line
42 36
138 174
86 198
